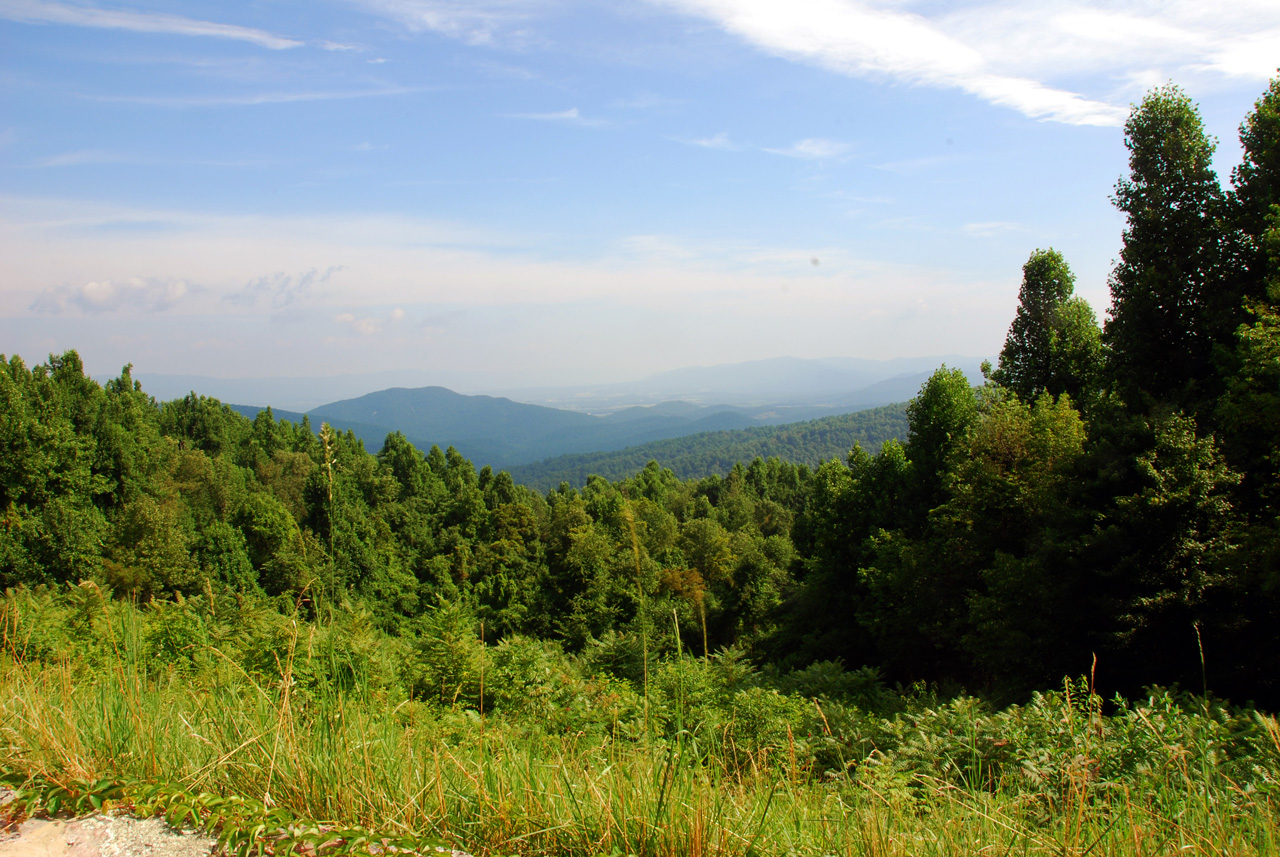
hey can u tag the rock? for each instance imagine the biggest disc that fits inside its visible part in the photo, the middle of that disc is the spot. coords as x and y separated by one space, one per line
102 835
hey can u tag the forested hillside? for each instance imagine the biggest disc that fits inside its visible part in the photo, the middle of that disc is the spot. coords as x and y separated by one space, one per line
504 434
1107 500
715 453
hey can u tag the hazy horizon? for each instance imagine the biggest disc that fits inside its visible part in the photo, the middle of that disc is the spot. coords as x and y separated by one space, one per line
303 393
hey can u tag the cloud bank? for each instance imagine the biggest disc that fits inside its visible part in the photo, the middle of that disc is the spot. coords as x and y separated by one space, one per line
145 294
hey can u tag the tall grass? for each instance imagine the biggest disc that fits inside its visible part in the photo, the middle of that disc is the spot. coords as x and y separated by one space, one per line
1057 777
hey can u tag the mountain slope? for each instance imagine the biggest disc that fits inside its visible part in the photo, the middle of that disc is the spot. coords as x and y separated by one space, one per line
692 456
503 434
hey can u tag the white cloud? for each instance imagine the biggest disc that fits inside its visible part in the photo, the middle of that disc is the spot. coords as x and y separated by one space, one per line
1009 53
147 294
1037 57
368 325
1137 38
861 40
814 149
45 12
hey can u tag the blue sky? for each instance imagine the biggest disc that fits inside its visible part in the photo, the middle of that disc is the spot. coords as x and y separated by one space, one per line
509 192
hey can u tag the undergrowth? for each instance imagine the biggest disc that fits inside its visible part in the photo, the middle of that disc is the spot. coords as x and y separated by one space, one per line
287 734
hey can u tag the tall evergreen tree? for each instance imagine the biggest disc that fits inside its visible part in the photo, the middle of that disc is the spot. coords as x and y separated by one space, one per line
1168 290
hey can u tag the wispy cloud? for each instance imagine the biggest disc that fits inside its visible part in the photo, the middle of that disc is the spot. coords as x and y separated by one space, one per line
990 229
252 98
147 294
915 166
1011 53
571 116
719 141
645 101
280 290
100 157
477 22
44 12
865 40
80 158
814 149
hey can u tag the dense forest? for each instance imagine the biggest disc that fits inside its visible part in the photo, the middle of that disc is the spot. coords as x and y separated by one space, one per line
1107 501
714 453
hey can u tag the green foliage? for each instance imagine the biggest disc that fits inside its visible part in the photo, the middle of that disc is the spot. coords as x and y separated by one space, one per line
1256 179
1169 307
1054 344
938 420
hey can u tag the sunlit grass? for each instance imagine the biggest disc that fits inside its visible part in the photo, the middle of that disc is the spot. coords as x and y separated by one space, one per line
501 788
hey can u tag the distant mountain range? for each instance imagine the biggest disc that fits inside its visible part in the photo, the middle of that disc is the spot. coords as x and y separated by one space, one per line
837 382
506 434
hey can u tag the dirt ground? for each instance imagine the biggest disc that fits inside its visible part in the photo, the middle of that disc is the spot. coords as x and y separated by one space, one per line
98 835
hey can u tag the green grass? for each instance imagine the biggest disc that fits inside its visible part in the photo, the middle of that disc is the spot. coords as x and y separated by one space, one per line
724 772
501 789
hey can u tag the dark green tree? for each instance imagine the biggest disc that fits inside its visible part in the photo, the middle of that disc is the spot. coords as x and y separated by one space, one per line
1257 177
1054 345
1169 300
938 423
